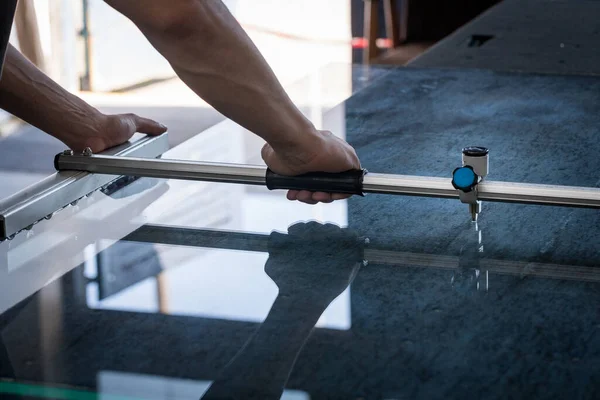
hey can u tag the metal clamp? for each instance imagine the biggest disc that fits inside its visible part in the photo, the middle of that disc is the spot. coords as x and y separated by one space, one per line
465 179
469 197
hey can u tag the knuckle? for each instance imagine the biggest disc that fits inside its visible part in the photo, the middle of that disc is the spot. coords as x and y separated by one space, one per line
265 152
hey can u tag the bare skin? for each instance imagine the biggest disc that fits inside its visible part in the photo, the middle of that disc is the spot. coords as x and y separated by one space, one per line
28 93
212 54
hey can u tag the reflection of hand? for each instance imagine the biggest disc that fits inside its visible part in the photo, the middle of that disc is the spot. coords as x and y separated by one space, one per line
113 130
321 152
314 262
311 265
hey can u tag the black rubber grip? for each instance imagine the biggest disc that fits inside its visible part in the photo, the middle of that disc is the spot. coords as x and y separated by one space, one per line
56 161
349 182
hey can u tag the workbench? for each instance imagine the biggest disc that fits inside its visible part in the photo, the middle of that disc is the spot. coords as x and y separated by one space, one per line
161 289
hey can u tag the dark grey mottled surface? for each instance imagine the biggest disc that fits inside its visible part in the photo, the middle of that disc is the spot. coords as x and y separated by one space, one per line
414 334
539 130
527 337
535 36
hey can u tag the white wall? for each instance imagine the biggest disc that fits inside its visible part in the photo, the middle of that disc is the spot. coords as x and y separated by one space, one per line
122 56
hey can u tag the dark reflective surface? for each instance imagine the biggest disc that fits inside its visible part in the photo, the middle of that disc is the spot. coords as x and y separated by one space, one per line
507 308
311 267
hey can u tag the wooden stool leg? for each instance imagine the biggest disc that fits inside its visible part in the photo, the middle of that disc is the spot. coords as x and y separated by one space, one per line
370 34
391 22
404 20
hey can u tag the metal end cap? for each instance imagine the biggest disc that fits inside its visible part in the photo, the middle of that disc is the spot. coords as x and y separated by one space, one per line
475 151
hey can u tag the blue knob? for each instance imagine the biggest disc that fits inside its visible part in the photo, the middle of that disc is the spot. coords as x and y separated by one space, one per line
464 178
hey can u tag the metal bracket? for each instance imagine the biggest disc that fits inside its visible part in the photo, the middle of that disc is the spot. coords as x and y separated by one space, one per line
470 198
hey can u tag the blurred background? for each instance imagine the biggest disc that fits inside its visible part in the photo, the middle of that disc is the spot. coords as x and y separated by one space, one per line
98 54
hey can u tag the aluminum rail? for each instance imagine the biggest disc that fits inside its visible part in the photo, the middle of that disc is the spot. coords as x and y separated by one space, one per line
159 168
55 192
572 196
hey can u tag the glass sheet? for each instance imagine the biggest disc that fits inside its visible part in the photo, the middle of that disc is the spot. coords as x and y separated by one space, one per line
187 290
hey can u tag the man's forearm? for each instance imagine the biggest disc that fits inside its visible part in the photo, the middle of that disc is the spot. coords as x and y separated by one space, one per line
28 93
212 54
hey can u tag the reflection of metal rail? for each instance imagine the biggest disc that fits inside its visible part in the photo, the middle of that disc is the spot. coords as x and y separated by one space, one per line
228 240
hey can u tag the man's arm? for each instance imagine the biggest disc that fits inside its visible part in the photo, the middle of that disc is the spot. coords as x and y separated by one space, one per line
28 93
213 55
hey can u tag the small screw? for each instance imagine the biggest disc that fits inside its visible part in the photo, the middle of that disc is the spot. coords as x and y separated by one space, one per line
68 152
48 217
75 203
87 151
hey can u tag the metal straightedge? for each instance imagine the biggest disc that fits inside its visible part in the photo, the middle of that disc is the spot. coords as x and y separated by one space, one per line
572 196
138 159
41 200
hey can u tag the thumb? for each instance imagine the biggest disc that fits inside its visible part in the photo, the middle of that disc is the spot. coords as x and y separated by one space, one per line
148 126
274 162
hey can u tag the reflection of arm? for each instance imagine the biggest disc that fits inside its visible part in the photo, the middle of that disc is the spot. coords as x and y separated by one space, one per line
261 368
311 266
213 55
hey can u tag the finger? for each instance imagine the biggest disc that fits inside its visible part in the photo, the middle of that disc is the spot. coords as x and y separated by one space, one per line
297 228
292 195
340 196
355 160
352 156
270 158
325 201
148 126
305 197
311 202
330 228
265 152
322 197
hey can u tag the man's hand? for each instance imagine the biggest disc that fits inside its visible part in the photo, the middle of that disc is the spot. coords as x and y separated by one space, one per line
320 152
113 130
28 93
